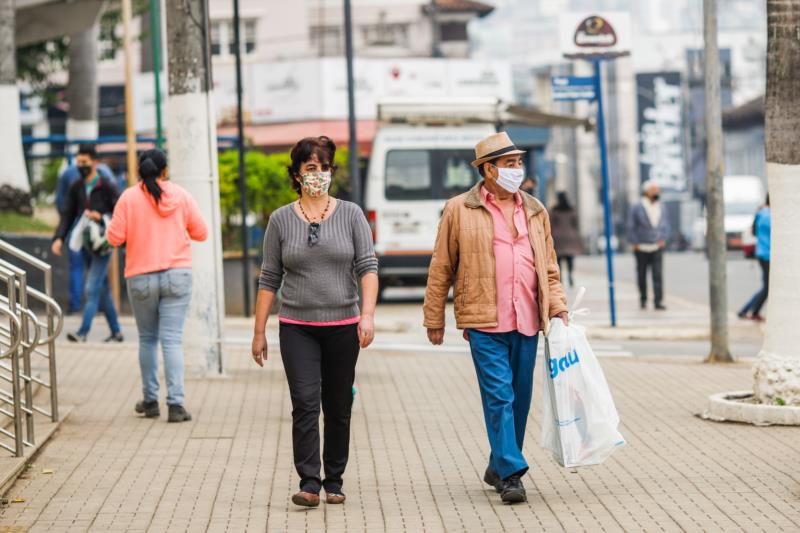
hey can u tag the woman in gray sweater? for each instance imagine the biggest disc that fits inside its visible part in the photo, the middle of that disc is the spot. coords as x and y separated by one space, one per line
318 249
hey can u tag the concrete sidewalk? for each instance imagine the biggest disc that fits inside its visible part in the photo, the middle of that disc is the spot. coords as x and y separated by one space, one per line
417 456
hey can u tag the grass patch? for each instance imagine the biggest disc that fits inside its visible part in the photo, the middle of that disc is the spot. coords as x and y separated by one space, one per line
11 222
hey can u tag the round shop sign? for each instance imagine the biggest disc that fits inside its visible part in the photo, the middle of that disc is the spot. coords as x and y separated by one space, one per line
595 31
593 35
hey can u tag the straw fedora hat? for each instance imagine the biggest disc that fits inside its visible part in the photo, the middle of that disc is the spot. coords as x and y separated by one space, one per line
494 146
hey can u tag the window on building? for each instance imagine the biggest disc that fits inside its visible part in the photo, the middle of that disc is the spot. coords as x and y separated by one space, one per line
327 40
223 39
249 36
216 38
453 31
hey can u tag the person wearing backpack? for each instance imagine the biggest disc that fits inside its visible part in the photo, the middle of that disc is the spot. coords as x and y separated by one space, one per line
94 197
762 230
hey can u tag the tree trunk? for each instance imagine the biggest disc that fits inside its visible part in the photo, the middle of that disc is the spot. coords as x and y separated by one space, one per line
777 371
717 247
191 134
13 172
82 88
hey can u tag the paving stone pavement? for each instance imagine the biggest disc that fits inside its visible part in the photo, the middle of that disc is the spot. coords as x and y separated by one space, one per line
418 453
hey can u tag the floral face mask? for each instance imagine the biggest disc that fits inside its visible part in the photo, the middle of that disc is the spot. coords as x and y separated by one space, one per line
315 184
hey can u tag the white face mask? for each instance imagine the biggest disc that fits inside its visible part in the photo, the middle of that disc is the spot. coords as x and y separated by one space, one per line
510 178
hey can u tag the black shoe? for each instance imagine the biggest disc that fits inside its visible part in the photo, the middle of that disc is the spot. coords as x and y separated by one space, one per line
660 307
513 491
76 337
148 409
743 315
115 337
491 478
178 414
643 304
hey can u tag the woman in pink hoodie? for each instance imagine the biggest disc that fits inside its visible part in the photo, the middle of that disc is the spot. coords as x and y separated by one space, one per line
157 221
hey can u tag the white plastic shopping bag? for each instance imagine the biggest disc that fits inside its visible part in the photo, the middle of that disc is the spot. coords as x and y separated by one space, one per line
76 237
580 421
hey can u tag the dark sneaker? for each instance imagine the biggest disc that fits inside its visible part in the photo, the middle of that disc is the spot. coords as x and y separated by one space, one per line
491 478
148 409
643 304
76 337
178 414
660 307
115 337
513 491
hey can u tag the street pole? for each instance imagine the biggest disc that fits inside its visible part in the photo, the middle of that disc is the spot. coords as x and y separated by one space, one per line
601 135
242 170
155 40
130 134
355 175
435 35
715 206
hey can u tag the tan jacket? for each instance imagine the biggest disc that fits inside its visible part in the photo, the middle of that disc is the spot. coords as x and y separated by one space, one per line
464 254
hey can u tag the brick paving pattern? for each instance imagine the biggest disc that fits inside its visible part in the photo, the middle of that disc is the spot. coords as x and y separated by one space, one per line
418 453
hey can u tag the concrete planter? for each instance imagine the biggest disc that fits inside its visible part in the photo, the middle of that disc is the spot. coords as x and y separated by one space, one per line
738 407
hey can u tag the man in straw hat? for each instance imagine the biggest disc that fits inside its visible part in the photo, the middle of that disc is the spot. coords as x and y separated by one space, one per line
494 243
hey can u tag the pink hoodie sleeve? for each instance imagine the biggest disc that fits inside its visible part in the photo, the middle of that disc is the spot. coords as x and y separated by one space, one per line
195 225
117 229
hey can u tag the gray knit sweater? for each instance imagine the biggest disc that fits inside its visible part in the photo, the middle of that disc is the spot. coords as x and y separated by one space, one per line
320 282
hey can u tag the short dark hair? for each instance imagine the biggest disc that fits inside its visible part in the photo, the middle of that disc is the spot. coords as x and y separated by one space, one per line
482 166
88 149
322 146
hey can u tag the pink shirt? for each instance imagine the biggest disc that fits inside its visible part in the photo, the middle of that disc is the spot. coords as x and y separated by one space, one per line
157 235
515 272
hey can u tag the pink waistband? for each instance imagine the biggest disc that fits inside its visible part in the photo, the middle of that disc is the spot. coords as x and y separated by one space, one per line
344 322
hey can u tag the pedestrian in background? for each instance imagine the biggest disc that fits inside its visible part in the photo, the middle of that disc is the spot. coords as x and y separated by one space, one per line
94 197
566 233
530 186
66 179
648 229
156 221
762 228
494 243
316 250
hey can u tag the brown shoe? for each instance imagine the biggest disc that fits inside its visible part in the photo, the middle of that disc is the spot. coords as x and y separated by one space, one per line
306 499
334 498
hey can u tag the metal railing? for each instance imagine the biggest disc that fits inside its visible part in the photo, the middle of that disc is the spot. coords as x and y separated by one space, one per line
23 335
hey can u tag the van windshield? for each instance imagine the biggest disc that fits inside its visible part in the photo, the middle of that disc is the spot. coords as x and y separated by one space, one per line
429 174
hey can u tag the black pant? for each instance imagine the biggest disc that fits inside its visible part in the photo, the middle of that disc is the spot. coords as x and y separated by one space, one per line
761 298
320 362
654 261
570 260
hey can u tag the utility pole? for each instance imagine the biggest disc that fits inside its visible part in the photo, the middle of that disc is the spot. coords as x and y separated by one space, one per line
155 40
436 50
355 175
82 86
715 206
246 281
192 134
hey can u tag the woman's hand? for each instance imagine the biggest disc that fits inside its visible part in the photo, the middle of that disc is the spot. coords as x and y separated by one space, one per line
259 349
97 216
366 330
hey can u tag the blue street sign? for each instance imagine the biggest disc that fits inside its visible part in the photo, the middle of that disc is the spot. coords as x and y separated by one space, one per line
571 88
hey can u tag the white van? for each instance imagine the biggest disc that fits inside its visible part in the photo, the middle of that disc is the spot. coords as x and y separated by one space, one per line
743 196
413 171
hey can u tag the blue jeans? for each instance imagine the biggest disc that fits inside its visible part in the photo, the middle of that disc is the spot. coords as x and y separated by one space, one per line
160 301
76 284
504 364
98 294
